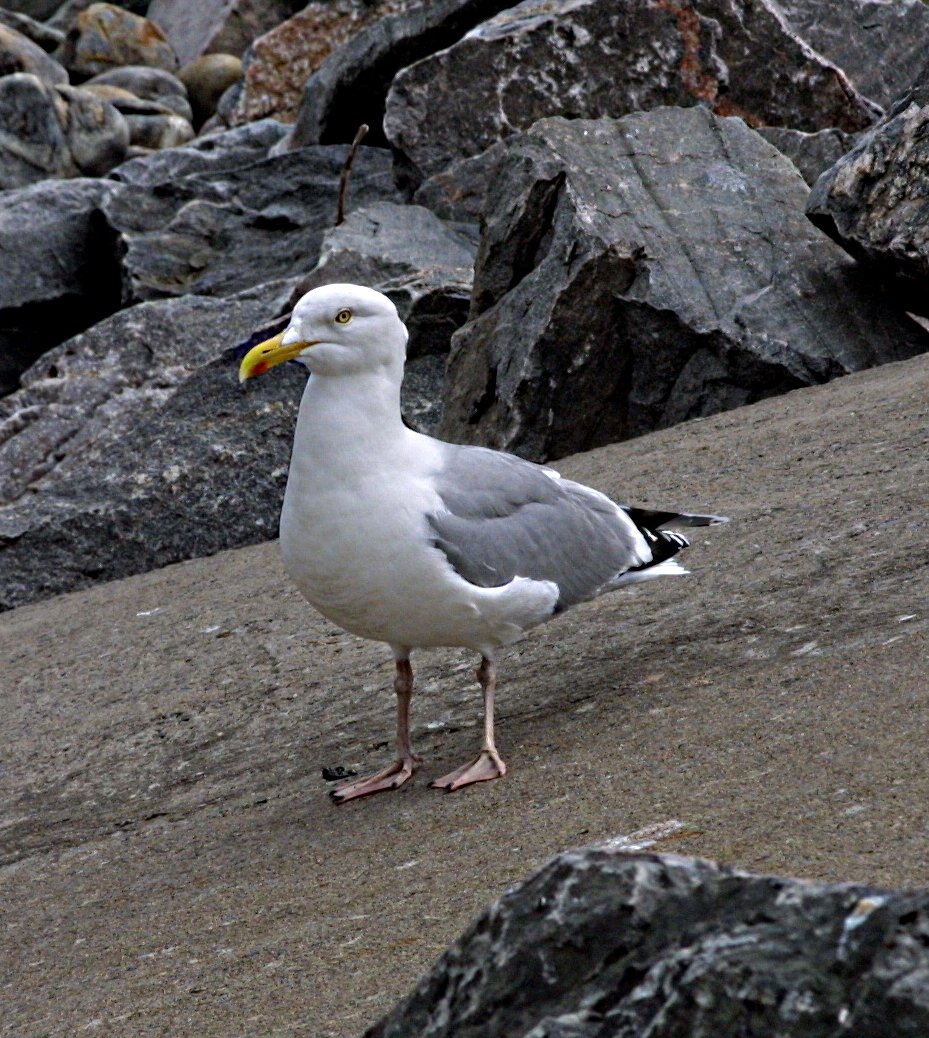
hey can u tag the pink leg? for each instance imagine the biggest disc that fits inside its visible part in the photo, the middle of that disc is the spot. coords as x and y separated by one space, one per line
488 765
402 769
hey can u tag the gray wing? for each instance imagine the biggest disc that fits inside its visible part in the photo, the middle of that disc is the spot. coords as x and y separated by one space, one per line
505 517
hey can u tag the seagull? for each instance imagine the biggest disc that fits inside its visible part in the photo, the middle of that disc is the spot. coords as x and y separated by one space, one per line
405 539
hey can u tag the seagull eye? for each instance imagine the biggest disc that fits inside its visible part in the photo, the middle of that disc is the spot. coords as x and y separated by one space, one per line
343 317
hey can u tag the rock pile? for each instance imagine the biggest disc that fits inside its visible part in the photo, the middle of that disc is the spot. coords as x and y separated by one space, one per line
590 214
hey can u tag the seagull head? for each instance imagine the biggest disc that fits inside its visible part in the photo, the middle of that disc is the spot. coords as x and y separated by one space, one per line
335 330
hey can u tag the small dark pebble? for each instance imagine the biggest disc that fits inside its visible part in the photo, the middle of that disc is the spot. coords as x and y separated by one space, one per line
332 774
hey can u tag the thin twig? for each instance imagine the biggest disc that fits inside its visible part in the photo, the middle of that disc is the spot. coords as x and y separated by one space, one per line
346 171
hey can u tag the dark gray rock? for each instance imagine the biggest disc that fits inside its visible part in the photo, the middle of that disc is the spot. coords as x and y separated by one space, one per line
159 131
33 144
19 54
459 191
97 133
38 9
44 35
433 305
65 15
592 58
602 944
59 270
875 200
811 153
150 84
215 233
635 273
133 446
879 44
349 88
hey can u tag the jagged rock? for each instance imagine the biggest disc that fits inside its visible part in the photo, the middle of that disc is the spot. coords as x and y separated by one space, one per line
592 58
59 270
207 78
638 272
33 145
350 86
105 36
215 233
603 944
811 153
149 84
19 54
875 200
217 26
459 191
159 131
188 480
96 132
43 35
879 44
279 63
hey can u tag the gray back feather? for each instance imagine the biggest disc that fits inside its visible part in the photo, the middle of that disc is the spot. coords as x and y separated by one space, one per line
506 517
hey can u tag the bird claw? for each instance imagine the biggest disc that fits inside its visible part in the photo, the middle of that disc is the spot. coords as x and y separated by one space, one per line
393 776
486 767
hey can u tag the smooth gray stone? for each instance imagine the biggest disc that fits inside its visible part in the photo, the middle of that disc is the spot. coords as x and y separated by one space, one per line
636 273
44 35
159 131
19 54
59 271
592 58
604 944
33 143
98 134
811 153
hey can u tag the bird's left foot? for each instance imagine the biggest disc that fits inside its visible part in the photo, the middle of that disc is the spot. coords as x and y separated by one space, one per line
488 765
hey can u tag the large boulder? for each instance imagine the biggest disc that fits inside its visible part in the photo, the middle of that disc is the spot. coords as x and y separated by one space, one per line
217 26
638 272
351 85
879 44
59 270
875 200
33 141
105 36
148 84
592 58
215 233
603 944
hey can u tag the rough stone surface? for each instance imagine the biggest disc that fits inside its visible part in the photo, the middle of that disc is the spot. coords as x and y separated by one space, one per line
149 84
19 54
279 63
67 13
207 78
592 58
159 131
59 274
105 36
43 35
215 233
129 104
350 87
811 153
33 145
96 131
603 944
217 26
879 44
459 191
875 201
639 272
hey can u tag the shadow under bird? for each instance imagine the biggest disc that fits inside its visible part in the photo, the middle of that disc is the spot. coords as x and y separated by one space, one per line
401 538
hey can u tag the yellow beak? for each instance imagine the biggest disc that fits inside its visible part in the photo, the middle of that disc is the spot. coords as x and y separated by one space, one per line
268 354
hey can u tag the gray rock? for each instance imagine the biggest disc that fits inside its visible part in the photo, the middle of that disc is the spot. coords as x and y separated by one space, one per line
635 273
44 35
65 14
217 26
150 84
875 200
59 271
37 9
811 153
33 145
208 78
127 103
96 132
215 233
105 36
592 58
159 131
19 54
602 944
879 44
433 306
204 472
459 191
350 87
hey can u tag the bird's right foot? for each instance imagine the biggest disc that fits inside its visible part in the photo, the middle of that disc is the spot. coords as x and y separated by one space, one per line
390 778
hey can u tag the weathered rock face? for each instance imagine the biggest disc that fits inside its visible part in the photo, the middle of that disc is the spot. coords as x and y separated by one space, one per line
33 144
460 190
59 270
350 87
601 944
592 58
66 14
97 133
215 233
217 26
879 44
19 54
875 201
105 36
635 273
811 153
